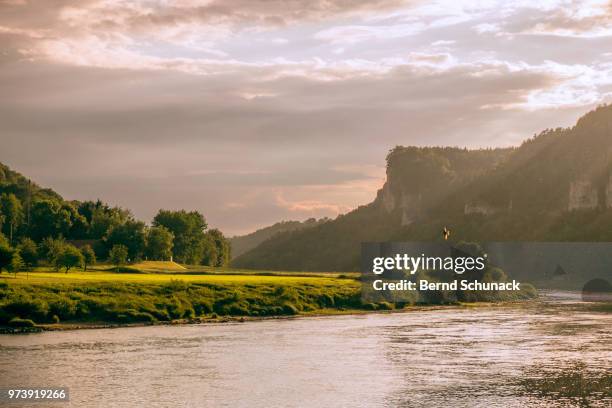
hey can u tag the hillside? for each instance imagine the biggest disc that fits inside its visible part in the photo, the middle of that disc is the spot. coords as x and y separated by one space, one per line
334 246
244 243
39 222
23 188
556 186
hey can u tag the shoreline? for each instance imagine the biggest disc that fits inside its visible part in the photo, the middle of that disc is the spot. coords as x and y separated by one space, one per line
51 327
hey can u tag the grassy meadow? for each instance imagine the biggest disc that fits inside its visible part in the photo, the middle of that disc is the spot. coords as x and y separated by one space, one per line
220 278
152 292
101 295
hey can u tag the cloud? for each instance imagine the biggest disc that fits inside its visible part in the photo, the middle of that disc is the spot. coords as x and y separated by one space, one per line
355 34
257 111
588 19
310 206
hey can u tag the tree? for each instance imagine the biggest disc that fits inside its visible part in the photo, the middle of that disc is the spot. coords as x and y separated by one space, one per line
12 212
3 240
100 218
51 248
188 229
28 251
210 253
49 219
17 263
6 256
217 250
118 255
159 243
223 247
69 257
131 235
89 256
78 227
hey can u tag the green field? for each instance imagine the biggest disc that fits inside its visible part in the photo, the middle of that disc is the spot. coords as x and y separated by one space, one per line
148 293
101 296
165 278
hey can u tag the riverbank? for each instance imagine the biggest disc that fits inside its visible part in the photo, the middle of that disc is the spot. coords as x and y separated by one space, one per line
46 298
66 326
57 301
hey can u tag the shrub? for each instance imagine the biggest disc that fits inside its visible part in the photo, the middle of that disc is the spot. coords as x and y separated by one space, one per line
29 252
27 307
19 322
118 255
63 307
126 269
134 316
290 309
202 307
385 306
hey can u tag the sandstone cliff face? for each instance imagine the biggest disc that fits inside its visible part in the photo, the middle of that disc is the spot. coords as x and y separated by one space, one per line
582 195
408 203
587 195
478 207
419 179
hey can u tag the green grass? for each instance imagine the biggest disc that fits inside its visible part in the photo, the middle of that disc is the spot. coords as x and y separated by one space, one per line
159 266
155 278
102 295
52 297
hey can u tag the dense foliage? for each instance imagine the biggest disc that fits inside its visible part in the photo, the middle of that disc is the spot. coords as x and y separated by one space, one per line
37 224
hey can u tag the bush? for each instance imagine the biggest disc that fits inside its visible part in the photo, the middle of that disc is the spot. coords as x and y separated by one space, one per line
202 307
62 307
4 317
125 269
134 316
385 306
27 307
290 309
19 322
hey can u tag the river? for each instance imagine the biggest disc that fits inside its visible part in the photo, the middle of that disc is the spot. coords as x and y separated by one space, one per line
431 357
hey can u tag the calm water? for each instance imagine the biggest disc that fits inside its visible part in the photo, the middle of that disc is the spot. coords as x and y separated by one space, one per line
447 357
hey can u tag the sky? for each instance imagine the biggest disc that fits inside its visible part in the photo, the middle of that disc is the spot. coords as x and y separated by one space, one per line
256 111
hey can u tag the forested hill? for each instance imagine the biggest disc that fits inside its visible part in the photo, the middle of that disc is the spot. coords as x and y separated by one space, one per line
39 222
23 188
556 186
243 243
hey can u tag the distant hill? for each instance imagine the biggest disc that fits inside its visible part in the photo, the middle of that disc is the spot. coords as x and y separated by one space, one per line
13 182
556 186
244 243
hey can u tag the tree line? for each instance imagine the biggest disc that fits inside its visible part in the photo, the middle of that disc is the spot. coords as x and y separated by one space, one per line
70 234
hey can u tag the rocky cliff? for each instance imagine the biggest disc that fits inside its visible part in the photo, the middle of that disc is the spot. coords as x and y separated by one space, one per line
556 186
